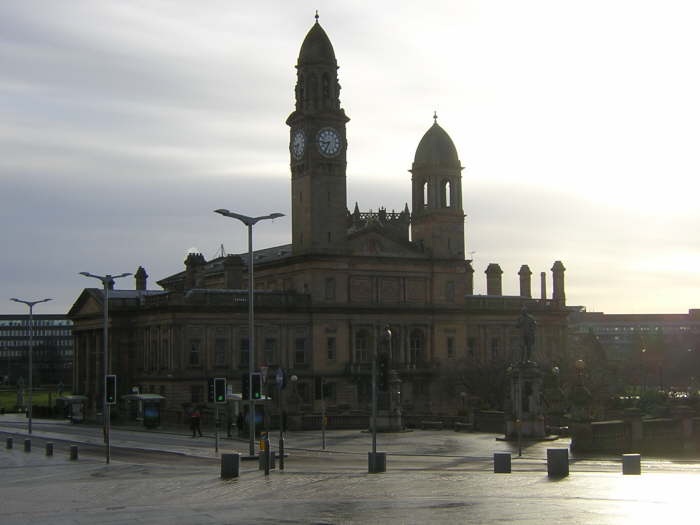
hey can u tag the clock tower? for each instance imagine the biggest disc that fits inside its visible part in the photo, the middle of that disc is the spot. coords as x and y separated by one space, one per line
317 148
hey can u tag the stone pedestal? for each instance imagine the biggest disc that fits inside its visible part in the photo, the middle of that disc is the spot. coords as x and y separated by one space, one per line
525 415
389 417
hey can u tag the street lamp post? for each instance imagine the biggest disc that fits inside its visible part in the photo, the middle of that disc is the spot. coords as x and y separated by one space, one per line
30 304
107 283
250 222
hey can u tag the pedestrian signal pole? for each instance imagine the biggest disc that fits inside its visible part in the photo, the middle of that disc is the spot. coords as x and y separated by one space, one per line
219 399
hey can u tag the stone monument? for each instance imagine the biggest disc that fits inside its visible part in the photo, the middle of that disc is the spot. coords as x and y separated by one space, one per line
525 415
389 417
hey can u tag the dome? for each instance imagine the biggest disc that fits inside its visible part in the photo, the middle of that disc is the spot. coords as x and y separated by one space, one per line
316 48
436 150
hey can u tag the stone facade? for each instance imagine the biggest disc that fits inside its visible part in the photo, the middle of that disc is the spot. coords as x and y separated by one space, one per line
322 302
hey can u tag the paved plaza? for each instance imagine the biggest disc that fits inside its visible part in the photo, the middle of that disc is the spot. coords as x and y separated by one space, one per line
432 477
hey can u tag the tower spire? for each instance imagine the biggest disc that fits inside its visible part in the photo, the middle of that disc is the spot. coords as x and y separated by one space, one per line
316 16
435 117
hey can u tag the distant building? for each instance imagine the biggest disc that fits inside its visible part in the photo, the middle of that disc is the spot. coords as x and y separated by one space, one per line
53 349
322 302
665 348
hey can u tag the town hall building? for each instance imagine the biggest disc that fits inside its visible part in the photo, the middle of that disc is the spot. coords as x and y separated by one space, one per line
324 301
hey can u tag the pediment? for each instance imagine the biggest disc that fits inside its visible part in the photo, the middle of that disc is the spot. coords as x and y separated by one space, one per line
88 303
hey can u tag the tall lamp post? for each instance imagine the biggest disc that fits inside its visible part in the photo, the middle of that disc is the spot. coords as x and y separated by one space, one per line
107 283
250 222
30 304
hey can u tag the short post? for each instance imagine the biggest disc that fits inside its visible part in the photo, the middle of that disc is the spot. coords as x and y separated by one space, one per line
501 463
230 466
631 464
74 452
49 449
267 456
8 443
281 453
376 462
557 462
27 445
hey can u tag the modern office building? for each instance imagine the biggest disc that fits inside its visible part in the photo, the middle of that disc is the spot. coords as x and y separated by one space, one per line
53 349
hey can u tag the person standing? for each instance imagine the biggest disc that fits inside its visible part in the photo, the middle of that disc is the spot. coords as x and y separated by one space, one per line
195 421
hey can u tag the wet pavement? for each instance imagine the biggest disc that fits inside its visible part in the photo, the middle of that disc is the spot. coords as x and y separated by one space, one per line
432 477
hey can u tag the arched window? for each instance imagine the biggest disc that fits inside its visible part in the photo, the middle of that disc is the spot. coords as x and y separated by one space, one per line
424 193
417 347
446 194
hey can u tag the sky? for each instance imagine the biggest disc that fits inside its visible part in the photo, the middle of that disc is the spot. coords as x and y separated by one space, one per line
124 124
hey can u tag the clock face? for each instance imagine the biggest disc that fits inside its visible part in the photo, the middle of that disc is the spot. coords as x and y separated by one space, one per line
298 144
328 142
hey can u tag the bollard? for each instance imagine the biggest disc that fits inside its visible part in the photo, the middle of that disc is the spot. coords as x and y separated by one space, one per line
8 443
376 462
27 445
501 463
631 464
74 452
267 457
49 449
230 465
557 462
281 453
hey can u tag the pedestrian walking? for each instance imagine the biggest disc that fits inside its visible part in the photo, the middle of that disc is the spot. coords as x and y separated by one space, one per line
195 420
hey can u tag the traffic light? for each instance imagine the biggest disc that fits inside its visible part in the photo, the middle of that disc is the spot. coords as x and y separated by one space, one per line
245 386
210 390
220 390
257 386
111 389
383 366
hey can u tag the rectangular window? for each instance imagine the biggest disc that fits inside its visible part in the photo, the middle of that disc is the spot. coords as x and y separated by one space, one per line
270 350
194 351
300 351
244 347
220 352
330 348
494 348
450 347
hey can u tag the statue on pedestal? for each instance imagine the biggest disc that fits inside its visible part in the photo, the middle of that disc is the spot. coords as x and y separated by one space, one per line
528 326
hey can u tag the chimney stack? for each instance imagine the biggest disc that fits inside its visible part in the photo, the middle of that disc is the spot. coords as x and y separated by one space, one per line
192 264
141 279
543 280
468 278
233 272
558 294
493 279
525 285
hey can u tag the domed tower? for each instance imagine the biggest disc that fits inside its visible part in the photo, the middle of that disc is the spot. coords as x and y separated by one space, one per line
317 148
437 222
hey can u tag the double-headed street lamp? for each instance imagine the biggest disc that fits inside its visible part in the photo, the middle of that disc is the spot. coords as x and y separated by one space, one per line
250 222
108 284
30 304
